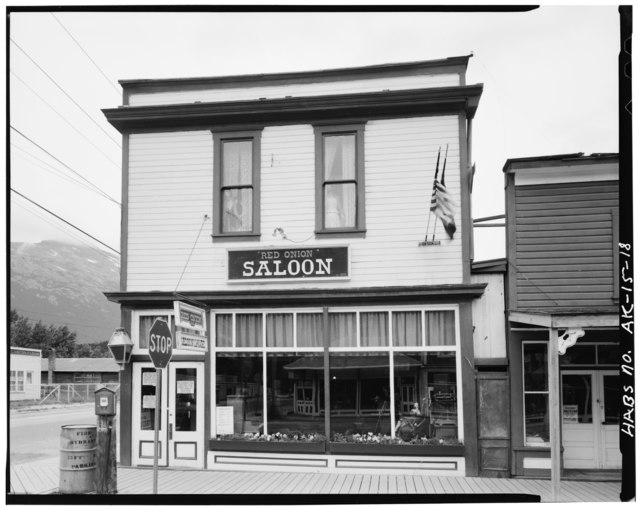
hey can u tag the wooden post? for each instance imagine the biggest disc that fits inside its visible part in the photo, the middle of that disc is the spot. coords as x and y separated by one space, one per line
327 374
554 413
106 471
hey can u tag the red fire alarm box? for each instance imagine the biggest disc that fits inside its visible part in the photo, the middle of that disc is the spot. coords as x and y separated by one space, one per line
105 401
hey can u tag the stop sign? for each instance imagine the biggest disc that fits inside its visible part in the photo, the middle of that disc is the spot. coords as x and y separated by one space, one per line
160 344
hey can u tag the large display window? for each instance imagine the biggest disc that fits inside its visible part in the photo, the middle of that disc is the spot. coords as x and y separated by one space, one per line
376 371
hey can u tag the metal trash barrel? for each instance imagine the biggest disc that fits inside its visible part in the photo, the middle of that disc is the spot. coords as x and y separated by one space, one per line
77 459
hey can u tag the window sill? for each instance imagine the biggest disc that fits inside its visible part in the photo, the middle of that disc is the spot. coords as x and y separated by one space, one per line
235 237
335 234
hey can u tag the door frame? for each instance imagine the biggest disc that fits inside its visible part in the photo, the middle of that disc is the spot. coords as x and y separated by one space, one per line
168 447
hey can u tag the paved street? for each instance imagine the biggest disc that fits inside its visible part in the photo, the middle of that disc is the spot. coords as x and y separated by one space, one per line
34 435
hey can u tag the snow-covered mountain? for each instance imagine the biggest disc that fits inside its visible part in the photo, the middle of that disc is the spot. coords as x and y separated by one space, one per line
63 284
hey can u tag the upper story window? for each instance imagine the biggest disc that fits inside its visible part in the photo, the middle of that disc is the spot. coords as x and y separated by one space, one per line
236 210
340 179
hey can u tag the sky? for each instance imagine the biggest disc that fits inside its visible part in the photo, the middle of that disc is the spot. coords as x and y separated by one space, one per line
550 86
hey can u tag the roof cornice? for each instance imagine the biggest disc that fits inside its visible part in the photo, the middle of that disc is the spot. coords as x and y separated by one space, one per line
285 78
402 103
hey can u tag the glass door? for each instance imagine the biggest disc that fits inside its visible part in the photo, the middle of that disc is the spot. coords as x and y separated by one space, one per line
186 414
579 427
144 390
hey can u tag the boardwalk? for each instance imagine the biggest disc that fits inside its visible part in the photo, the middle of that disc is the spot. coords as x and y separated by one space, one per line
30 479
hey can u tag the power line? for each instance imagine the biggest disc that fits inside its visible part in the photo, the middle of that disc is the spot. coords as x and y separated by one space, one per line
66 94
65 165
64 119
49 168
66 231
86 54
62 219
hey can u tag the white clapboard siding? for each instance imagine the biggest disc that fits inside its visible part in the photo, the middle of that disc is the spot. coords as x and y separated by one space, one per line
167 202
488 317
220 94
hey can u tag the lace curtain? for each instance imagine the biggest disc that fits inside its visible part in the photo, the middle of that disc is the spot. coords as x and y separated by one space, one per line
340 165
237 203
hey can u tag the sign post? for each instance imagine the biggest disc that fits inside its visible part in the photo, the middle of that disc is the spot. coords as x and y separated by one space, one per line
160 351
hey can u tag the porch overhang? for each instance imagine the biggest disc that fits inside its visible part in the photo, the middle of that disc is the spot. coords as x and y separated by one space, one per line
565 320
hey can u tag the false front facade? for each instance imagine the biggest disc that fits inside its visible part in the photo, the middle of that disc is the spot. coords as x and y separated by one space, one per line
321 222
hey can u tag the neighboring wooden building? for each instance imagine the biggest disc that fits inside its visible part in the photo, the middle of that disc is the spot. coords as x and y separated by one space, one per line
24 373
57 370
337 300
562 225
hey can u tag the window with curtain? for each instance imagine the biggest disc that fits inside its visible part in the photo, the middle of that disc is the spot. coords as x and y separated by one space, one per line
145 323
279 330
340 178
407 328
440 329
374 329
309 330
248 330
536 393
342 329
224 330
237 183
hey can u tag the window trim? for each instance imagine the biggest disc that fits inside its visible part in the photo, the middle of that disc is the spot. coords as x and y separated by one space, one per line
320 131
218 138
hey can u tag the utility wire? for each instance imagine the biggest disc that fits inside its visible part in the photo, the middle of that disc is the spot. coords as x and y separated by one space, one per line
206 217
41 164
62 219
86 54
66 94
106 195
65 230
64 119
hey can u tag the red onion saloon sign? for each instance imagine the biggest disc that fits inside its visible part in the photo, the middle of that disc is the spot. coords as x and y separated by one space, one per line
293 263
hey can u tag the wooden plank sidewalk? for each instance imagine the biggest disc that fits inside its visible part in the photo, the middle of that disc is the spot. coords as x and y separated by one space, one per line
140 481
43 479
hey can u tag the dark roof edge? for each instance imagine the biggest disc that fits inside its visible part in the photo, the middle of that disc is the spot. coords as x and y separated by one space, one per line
336 73
487 266
307 295
570 157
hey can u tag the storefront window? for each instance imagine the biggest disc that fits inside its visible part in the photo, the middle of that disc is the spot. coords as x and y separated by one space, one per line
425 392
295 396
536 394
360 395
239 385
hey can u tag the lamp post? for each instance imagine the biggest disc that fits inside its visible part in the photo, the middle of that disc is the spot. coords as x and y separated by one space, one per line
120 346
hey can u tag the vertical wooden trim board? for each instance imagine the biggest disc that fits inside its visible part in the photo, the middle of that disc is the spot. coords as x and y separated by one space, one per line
466 227
512 261
467 364
126 419
124 220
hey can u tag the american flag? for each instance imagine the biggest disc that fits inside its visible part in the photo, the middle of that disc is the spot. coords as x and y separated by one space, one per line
441 203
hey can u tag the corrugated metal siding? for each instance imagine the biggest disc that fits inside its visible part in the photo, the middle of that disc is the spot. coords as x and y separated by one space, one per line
171 185
564 245
295 90
489 317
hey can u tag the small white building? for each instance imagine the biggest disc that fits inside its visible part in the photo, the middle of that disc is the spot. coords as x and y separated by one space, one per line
24 374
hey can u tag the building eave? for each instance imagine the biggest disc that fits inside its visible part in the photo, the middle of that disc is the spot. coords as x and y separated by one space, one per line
555 320
294 109
305 297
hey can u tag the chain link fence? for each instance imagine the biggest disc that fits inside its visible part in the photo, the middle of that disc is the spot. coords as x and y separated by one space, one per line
68 393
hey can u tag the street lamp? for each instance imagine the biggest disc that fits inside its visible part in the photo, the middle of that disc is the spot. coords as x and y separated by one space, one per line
120 345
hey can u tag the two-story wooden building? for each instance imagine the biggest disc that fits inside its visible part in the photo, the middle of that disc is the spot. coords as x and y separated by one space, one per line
562 251
323 220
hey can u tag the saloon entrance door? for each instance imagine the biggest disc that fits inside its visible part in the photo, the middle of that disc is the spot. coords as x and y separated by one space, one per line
181 430
590 419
